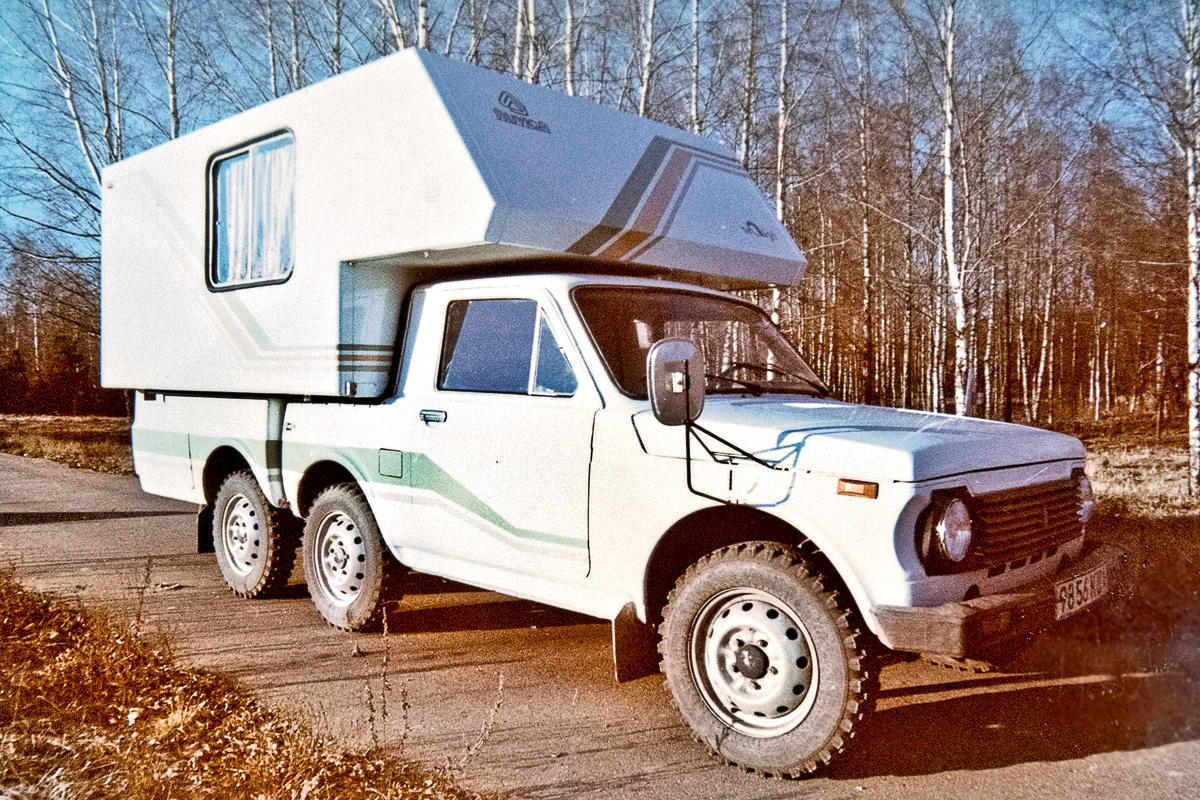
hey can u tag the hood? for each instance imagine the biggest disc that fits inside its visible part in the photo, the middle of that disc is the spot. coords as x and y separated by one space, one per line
826 436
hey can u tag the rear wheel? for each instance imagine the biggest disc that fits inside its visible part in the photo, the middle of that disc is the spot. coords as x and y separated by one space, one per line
345 562
762 660
255 543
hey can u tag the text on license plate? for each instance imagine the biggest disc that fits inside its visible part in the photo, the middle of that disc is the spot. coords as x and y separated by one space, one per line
1080 592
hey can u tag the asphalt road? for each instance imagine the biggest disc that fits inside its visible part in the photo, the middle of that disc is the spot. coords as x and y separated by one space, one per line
520 698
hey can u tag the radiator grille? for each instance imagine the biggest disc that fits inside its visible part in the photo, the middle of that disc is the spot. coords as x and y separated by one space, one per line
1014 523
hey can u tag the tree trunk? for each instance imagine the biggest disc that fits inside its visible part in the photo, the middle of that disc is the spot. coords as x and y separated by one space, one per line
647 58
1191 27
569 48
519 37
531 56
749 84
782 119
953 268
863 116
696 65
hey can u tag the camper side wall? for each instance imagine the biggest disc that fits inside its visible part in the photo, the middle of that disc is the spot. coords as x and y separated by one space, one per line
176 437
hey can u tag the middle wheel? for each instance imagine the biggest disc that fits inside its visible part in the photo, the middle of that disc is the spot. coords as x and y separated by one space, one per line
344 559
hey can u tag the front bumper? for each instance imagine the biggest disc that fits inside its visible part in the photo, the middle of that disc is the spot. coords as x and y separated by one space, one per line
981 628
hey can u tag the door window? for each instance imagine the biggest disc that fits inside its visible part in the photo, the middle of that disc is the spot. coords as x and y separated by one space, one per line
505 346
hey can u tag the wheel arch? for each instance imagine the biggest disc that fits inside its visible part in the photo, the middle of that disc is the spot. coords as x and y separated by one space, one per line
318 477
712 528
222 462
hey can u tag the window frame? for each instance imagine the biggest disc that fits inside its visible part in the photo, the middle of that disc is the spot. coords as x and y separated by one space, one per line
542 316
211 243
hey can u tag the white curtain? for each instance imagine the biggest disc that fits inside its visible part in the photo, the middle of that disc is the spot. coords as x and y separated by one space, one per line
256 193
274 197
233 232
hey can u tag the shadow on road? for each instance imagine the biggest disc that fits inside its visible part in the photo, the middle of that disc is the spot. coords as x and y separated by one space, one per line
486 616
1124 677
1001 728
13 519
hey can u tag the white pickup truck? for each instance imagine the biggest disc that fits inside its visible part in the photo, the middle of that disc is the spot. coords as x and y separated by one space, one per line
448 322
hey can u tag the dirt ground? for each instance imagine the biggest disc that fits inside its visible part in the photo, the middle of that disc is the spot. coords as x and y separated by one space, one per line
519 698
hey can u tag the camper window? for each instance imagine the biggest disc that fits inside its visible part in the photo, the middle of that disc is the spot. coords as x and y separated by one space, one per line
253 210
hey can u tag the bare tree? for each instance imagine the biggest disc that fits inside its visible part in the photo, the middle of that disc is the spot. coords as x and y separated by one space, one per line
648 58
1160 65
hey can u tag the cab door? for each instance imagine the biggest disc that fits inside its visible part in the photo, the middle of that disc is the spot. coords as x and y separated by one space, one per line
503 436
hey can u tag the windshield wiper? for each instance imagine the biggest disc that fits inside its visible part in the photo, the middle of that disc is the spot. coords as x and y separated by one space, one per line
756 389
818 389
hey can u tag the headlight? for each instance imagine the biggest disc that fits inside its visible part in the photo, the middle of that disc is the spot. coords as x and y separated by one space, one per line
1087 500
954 531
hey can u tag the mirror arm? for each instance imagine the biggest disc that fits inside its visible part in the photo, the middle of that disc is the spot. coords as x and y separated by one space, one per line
690 427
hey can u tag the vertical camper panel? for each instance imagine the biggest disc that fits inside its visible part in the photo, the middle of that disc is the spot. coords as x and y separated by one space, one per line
369 316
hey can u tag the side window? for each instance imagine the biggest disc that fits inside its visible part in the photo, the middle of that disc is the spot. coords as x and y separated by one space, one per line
502 346
253 213
554 374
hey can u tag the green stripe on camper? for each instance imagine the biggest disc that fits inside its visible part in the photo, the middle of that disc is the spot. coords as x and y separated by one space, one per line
161 443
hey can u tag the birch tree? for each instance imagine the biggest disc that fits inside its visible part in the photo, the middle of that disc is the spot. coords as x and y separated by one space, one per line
1160 65
647 52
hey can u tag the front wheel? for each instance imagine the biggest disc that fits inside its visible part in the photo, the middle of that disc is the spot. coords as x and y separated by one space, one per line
344 559
762 660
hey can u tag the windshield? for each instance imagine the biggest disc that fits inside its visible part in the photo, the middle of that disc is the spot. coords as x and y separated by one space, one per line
743 352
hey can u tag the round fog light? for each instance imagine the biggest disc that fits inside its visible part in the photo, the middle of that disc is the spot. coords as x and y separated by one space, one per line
954 531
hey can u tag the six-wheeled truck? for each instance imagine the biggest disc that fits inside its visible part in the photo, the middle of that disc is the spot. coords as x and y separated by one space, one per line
421 316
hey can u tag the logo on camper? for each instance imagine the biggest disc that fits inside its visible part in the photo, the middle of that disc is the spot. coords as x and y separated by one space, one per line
513 104
517 114
754 230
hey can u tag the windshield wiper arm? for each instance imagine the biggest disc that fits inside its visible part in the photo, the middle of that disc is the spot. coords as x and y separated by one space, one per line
756 389
818 388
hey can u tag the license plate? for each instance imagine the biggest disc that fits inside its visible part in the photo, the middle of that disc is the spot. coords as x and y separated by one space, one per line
1080 592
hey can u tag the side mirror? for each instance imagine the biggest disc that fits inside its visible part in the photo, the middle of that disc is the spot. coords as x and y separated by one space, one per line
675 381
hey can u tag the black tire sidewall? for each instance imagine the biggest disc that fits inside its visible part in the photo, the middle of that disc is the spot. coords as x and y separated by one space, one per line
363 612
819 735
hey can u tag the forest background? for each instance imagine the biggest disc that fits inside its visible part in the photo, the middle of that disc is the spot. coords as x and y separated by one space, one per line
997 199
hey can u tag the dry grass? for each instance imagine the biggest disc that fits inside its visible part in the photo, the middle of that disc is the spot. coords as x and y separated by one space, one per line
1143 506
1141 475
96 443
88 709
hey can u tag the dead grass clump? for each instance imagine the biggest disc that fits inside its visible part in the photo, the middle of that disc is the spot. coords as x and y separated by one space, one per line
88 709
101 444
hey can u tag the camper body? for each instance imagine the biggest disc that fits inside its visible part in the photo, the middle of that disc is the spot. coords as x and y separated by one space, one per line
447 322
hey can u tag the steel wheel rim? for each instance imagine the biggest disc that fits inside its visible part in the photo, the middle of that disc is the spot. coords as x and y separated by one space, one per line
753 662
340 557
241 534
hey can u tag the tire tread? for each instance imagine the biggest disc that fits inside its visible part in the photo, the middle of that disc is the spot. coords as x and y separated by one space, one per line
862 681
283 532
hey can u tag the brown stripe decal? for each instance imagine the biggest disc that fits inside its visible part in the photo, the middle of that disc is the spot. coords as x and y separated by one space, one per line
661 196
348 358
654 208
357 358
627 200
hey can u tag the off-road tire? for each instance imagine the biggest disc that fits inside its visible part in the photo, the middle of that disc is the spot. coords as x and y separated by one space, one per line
346 564
763 661
254 542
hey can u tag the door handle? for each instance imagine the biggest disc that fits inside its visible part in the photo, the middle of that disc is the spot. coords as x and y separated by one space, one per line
429 415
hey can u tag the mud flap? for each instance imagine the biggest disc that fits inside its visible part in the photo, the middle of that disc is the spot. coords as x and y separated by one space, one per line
204 530
635 646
